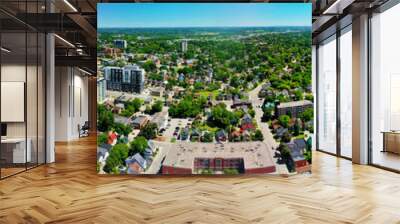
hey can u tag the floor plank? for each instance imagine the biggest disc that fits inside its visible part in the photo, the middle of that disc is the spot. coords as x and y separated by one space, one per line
70 191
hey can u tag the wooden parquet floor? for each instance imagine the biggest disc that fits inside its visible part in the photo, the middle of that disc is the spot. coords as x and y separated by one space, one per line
70 191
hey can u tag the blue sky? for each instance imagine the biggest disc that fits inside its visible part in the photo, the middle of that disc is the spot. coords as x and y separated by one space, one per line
202 15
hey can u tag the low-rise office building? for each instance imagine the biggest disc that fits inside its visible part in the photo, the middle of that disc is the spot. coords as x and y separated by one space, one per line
192 158
294 108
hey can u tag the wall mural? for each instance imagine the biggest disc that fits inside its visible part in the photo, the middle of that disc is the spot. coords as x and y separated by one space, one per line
190 88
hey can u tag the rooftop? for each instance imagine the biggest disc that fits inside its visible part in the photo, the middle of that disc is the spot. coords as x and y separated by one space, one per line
139 120
121 119
254 154
160 117
157 89
295 104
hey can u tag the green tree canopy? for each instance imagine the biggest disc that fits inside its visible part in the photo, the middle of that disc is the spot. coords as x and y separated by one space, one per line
102 138
149 131
117 157
157 107
307 115
221 117
284 120
105 121
138 145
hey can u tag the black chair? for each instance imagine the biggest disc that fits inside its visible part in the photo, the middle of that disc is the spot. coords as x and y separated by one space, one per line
84 130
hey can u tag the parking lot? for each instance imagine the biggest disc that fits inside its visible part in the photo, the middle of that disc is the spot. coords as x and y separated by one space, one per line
172 124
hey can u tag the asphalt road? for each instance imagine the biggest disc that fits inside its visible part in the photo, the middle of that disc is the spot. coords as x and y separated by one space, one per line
268 137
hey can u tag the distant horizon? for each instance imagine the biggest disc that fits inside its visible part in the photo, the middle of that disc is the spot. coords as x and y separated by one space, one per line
198 15
168 27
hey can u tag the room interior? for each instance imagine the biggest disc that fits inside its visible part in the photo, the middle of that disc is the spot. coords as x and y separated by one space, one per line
341 44
22 102
45 81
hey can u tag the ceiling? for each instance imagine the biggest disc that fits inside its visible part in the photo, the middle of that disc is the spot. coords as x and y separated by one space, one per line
328 15
74 22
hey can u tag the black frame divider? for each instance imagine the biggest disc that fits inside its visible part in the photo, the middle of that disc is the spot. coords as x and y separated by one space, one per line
338 33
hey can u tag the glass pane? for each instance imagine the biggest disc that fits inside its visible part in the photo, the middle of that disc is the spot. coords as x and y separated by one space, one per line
346 93
385 84
13 86
41 99
31 97
327 95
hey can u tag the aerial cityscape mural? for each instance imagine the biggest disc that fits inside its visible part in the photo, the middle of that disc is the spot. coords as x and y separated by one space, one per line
188 88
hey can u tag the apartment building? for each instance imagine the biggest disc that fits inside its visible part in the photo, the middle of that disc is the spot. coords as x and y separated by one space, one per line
126 79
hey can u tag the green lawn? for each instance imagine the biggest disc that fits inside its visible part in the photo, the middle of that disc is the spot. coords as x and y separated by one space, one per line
204 127
206 93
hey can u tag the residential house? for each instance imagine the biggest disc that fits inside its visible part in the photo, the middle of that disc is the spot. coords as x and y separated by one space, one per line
247 119
178 91
122 120
236 135
136 164
157 91
122 99
246 135
139 122
221 135
181 77
108 104
112 138
280 132
247 123
238 103
148 154
297 148
103 152
147 99
118 108
191 81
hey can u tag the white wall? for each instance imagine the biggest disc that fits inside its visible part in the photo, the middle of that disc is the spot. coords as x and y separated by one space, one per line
71 102
11 73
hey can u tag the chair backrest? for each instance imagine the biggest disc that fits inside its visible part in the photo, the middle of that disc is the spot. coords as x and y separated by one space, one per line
86 125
